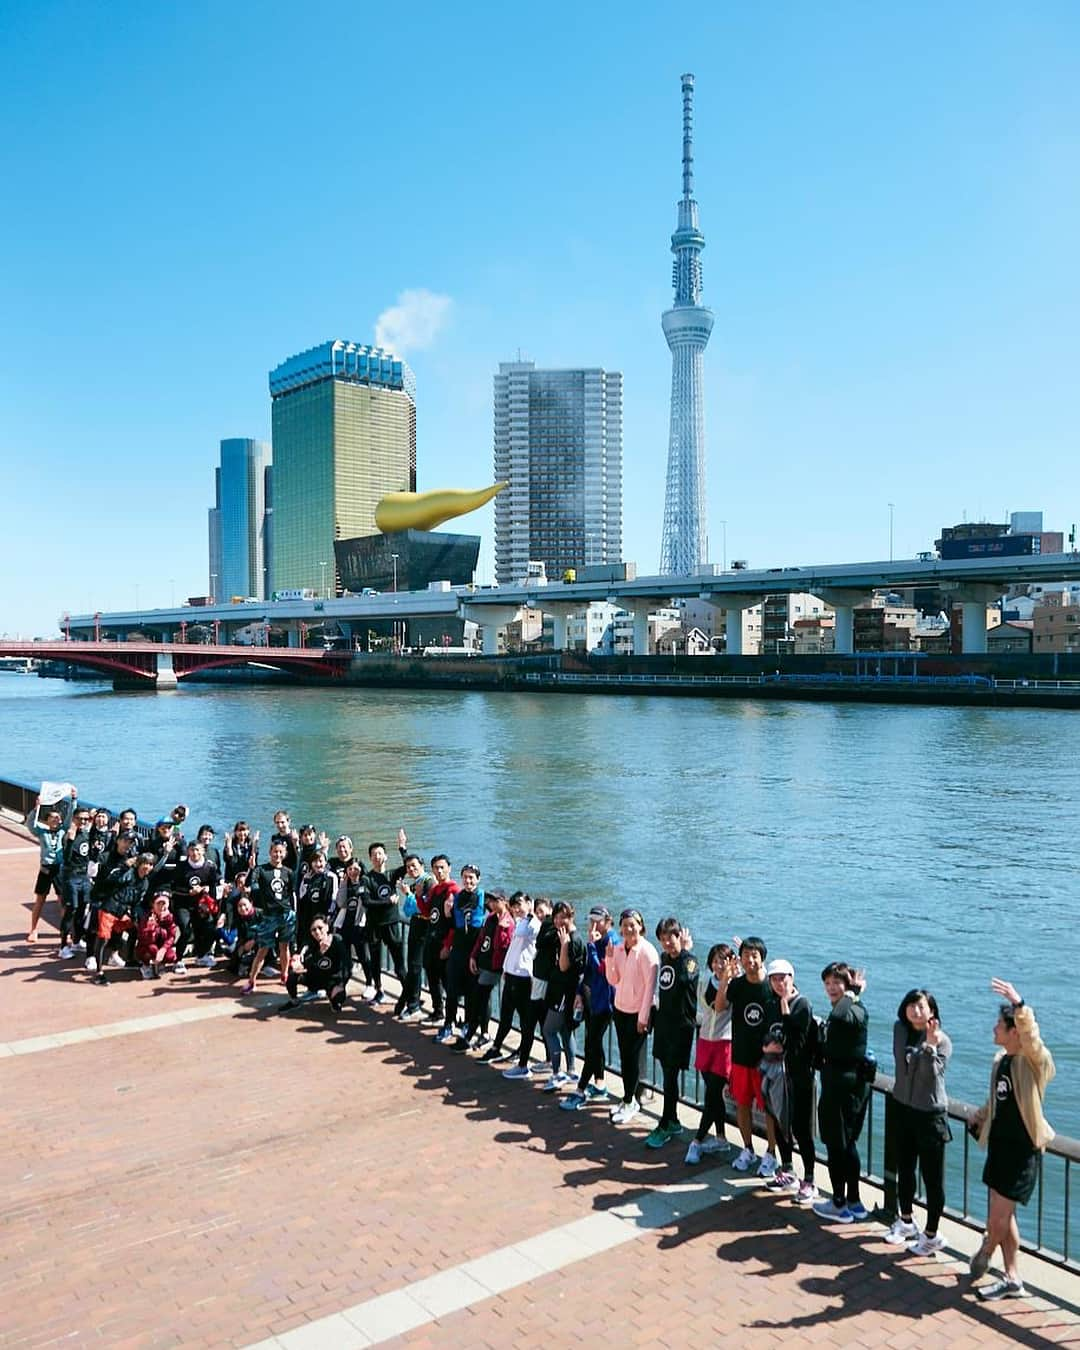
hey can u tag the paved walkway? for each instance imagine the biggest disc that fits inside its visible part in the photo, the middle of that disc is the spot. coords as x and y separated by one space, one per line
184 1168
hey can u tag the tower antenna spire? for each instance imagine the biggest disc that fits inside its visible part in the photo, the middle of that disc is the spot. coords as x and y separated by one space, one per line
687 137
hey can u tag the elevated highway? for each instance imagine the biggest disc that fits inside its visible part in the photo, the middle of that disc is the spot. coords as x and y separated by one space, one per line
970 582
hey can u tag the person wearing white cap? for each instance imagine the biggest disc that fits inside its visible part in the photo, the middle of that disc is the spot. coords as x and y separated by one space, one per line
791 1043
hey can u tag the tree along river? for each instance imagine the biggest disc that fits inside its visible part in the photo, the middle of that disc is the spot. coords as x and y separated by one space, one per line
932 846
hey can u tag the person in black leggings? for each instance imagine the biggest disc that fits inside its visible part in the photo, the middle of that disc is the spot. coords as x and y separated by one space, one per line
845 1092
921 1051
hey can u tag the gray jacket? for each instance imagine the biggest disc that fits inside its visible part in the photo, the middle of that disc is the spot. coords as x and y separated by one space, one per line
920 1070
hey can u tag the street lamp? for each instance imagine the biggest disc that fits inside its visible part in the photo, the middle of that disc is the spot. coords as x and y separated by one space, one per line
892 508
323 566
394 557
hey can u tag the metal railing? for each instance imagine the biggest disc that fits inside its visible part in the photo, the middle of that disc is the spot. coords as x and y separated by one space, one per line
816 678
1045 1225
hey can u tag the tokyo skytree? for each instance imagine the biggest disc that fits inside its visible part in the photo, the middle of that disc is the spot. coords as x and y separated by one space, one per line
687 326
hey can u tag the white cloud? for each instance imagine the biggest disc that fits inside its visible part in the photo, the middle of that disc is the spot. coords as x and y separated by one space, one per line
413 323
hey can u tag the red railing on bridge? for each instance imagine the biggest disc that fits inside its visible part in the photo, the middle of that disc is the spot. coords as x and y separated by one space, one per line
140 659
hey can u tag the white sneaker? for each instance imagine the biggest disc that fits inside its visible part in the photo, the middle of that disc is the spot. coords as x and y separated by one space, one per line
924 1245
693 1153
807 1194
180 968
90 964
901 1233
745 1160
116 961
66 952
767 1166
627 1112
81 944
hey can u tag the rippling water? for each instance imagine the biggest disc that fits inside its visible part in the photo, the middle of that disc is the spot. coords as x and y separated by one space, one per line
932 846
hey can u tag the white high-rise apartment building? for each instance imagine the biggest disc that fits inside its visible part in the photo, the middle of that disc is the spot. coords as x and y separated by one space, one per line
558 443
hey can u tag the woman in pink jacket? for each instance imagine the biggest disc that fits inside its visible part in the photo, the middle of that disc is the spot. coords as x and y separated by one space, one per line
631 969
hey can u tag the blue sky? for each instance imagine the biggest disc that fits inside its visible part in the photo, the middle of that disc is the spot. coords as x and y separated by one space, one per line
890 196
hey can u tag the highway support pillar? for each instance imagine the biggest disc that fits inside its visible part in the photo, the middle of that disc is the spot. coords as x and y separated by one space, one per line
843 604
490 618
734 607
560 614
973 600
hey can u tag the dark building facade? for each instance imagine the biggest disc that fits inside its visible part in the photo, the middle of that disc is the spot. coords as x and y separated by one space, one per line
412 558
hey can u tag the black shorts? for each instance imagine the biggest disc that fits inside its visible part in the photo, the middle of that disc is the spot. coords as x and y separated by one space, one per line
1013 1176
46 877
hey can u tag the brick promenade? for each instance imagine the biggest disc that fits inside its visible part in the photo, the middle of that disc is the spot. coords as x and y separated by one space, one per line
233 1177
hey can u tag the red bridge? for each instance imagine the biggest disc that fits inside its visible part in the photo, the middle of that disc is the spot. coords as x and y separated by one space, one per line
159 663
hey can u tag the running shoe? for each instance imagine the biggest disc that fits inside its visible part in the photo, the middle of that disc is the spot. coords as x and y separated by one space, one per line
411 1015
66 952
249 988
657 1138
501 1056
859 1212
1002 1289
825 1209
597 1094
807 1194
745 1160
675 1131
925 1245
147 972
574 1102
693 1153
81 944
783 1183
181 969
380 999
446 1034
490 1056
116 961
767 1166
716 1145
90 964
101 978
207 962
901 1233
518 1071
628 1112
557 1082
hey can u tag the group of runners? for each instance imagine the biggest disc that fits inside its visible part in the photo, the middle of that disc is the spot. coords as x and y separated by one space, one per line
316 915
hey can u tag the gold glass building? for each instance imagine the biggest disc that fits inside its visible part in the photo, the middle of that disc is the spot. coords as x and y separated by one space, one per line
344 434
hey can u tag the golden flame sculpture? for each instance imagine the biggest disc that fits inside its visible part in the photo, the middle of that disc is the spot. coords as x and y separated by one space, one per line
424 510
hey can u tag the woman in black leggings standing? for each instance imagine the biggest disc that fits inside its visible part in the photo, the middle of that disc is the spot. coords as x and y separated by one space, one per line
921 1051
845 1091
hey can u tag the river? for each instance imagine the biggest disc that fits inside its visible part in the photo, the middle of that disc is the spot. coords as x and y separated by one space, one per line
934 847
